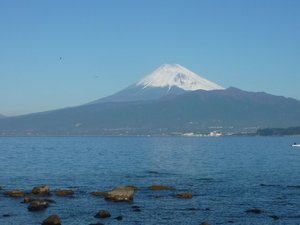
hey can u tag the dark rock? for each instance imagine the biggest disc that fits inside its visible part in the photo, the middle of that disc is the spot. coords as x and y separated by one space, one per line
120 217
38 205
191 209
274 217
267 185
5 215
152 172
124 193
293 186
66 192
99 193
156 187
52 220
204 223
41 190
102 214
184 195
28 199
14 194
254 210
135 208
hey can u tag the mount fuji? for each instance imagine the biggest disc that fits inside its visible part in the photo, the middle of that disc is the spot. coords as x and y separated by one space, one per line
171 100
166 80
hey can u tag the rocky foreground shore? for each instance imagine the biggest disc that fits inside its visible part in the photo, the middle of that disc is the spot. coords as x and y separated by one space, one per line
39 199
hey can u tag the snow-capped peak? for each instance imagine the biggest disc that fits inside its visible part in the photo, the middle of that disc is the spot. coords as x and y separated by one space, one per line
169 75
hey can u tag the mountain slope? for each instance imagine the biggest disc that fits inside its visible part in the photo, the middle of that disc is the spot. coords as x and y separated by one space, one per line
167 80
197 111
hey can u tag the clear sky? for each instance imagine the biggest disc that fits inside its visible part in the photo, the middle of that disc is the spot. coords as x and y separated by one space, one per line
56 53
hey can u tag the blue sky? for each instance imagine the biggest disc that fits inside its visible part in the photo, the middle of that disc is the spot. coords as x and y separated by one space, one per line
56 54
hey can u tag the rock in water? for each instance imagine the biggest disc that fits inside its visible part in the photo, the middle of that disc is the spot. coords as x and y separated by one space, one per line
102 214
184 195
14 194
41 190
254 210
28 199
52 220
156 187
204 223
120 217
38 205
274 217
119 194
66 192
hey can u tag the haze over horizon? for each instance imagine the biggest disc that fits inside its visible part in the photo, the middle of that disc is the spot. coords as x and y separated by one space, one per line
55 54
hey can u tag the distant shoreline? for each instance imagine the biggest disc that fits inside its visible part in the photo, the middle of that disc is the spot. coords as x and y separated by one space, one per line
162 136
279 132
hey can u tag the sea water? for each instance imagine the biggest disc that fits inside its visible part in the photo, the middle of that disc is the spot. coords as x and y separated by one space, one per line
227 176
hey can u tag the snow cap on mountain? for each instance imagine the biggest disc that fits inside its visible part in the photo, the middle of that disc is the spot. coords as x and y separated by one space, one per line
170 75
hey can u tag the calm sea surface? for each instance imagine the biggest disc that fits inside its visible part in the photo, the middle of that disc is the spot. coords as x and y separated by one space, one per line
226 175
